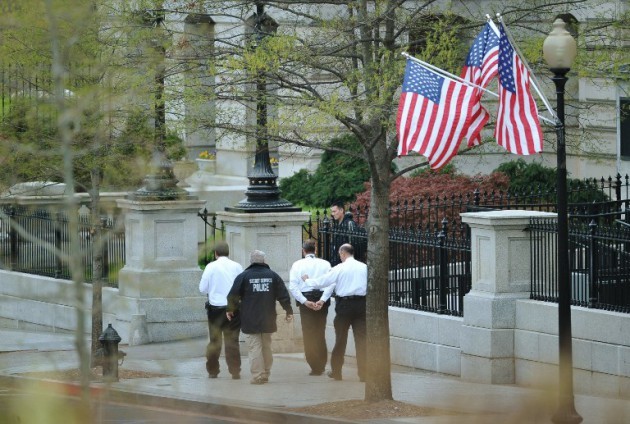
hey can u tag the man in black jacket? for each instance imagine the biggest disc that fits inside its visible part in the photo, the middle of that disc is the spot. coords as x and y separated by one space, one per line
343 228
254 293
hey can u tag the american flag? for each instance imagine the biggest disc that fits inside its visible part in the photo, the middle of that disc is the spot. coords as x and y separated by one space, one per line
432 114
480 67
518 127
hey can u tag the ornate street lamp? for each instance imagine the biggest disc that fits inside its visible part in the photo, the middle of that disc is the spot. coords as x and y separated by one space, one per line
161 183
263 194
559 51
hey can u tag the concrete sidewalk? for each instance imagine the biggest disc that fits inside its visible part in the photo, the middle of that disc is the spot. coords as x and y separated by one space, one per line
185 382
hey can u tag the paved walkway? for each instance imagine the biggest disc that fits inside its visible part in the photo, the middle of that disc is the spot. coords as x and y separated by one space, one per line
185 380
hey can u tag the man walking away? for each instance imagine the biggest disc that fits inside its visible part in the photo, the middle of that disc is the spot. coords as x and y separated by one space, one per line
216 281
254 295
313 305
350 279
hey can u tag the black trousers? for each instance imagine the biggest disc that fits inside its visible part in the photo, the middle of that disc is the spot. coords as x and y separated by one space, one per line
220 330
314 335
349 313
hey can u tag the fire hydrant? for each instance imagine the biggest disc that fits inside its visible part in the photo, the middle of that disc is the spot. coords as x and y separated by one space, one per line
109 340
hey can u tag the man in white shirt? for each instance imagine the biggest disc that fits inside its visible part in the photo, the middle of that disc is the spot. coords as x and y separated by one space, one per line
350 279
217 280
313 305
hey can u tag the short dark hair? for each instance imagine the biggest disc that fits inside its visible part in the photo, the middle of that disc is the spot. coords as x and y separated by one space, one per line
221 248
339 204
347 247
309 246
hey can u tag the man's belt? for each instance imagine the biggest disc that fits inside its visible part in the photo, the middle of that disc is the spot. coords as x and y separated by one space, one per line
312 296
349 297
210 307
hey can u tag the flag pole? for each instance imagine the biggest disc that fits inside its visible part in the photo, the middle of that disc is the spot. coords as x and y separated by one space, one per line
532 76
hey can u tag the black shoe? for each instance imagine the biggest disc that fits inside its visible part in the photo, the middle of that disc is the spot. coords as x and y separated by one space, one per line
236 376
213 375
334 375
316 373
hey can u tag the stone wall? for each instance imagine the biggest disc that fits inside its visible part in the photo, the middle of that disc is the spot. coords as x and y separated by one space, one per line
601 347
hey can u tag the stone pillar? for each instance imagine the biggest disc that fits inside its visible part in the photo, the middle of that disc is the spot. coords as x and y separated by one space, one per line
501 274
159 284
279 235
198 42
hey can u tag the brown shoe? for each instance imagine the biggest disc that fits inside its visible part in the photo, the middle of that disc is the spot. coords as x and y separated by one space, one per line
259 380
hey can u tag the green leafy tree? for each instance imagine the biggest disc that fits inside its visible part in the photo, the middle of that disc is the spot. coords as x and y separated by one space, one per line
337 177
532 178
297 187
528 177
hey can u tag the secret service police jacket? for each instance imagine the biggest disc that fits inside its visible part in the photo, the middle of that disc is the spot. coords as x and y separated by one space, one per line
254 294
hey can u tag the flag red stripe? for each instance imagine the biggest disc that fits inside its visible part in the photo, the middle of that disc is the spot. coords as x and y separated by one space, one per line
518 127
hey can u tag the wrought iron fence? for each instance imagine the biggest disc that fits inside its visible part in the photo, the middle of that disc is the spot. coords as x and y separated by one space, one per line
430 246
37 241
27 86
429 269
599 260
604 198
211 233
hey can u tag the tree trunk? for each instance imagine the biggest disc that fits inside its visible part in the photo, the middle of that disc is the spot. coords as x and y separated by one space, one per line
378 382
97 264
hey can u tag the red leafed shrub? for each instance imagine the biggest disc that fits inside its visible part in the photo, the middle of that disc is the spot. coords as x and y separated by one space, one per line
434 196
434 185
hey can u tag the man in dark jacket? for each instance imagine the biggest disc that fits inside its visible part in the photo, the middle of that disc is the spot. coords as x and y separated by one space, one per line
343 228
254 294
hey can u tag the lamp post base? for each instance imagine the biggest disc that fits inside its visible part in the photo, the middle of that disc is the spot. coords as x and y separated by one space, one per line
160 186
566 413
263 195
253 207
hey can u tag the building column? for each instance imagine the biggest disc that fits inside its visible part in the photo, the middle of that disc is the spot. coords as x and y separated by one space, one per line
198 46
501 274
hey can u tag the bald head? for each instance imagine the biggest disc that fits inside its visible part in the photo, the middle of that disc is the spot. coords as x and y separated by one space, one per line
345 251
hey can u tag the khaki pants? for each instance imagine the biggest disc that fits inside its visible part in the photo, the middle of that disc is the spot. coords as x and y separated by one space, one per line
260 358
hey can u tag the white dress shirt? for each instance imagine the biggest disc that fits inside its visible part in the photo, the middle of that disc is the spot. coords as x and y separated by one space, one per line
313 267
217 279
350 278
